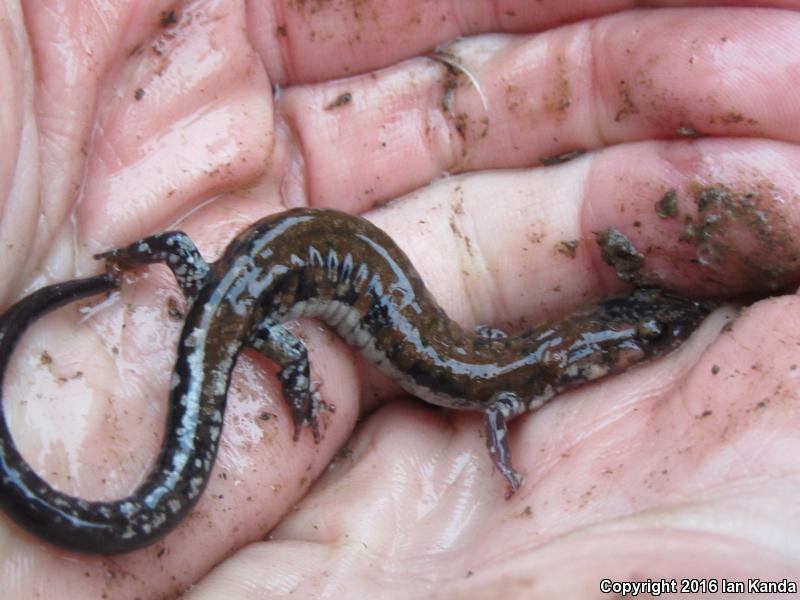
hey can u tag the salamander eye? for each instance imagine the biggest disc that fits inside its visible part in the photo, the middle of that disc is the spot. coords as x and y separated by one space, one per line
649 329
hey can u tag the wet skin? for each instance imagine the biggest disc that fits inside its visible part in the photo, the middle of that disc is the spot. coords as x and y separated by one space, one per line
347 272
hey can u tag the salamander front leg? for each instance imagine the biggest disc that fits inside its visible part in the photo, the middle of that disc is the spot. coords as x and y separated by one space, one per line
175 249
277 343
492 333
504 406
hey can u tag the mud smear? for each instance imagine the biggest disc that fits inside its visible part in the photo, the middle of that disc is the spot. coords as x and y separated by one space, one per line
558 159
744 234
568 248
619 253
713 240
341 100
667 206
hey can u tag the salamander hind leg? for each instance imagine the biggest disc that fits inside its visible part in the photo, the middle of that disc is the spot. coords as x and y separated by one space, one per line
175 249
278 344
503 407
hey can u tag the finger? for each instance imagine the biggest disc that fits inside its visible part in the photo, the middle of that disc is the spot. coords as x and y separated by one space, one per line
712 217
513 101
138 117
535 256
18 175
184 121
301 42
66 52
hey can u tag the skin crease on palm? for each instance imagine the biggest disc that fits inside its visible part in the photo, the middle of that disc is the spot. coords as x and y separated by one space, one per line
121 118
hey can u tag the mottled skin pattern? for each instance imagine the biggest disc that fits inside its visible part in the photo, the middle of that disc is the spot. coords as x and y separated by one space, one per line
345 271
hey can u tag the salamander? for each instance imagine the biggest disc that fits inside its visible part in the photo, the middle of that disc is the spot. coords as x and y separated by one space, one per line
350 274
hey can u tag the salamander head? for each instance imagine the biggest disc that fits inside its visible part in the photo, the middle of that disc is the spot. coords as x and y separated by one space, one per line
660 321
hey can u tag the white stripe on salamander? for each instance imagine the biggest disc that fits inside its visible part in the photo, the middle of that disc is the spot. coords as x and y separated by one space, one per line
347 322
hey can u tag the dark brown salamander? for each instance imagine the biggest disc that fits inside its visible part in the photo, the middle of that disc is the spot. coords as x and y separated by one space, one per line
345 271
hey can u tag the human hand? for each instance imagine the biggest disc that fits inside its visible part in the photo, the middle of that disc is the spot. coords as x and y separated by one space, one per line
121 123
